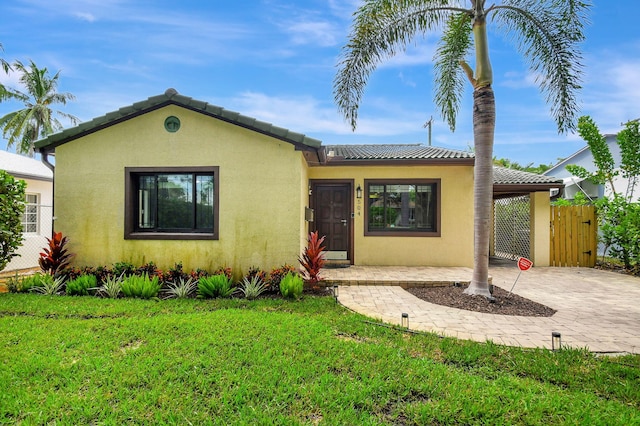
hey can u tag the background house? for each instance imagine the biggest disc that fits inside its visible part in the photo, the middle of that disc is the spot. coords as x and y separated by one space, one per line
36 221
172 179
584 158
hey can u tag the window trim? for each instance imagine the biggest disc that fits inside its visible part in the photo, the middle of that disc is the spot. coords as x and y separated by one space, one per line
392 232
24 222
130 232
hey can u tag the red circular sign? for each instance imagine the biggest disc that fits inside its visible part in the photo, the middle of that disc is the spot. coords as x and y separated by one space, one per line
524 264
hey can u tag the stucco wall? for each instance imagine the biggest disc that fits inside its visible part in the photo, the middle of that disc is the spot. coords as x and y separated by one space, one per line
261 189
455 245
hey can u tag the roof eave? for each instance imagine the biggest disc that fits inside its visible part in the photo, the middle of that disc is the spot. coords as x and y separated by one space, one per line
401 162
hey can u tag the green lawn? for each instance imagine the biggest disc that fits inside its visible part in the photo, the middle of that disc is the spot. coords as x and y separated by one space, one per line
86 360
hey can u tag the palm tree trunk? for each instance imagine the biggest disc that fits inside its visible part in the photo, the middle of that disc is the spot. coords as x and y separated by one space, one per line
484 123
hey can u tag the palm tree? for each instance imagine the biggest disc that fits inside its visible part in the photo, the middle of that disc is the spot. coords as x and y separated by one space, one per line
5 67
546 33
36 119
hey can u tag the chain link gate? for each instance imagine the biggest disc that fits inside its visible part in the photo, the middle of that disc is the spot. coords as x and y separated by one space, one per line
512 227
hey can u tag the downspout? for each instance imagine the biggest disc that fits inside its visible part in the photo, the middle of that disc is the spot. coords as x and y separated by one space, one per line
44 157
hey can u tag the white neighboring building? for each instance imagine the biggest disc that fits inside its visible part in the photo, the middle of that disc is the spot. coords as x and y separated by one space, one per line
37 219
584 158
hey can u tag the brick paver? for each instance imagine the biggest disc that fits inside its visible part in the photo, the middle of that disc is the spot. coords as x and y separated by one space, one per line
596 309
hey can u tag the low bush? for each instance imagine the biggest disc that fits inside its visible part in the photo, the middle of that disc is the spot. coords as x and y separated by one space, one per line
291 286
81 285
252 287
141 286
276 275
111 287
49 285
181 289
219 285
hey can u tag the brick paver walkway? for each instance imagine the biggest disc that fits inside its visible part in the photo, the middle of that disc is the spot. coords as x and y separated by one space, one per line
596 309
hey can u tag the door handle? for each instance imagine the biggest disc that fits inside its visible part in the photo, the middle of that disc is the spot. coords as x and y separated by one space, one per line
344 222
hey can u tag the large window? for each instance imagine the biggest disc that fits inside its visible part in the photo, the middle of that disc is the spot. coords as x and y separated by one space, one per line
171 203
403 207
30 217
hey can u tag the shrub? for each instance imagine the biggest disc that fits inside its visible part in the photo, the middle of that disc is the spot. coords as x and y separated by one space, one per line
55 257
312 259
141 286
49 285
254 271
111 286
123 269
219 285
291 286
182 288
276 275
226 271
81 285
252 287
24 284
11 209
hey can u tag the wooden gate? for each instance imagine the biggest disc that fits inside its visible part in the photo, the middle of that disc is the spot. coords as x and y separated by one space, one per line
574 236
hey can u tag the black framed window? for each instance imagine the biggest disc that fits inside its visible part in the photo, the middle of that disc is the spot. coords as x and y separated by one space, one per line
403 207
171 203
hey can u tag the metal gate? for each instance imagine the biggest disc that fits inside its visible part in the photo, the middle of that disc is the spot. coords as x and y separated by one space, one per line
512 227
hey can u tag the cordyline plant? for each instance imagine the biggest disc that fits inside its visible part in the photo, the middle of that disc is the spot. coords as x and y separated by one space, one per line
312 259
55 257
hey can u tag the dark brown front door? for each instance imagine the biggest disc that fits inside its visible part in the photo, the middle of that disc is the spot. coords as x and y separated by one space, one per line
333 217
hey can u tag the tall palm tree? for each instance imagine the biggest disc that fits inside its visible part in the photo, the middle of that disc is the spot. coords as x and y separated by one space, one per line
36 119
5 67
546 32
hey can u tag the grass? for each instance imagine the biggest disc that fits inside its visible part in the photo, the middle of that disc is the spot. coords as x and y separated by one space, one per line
86 360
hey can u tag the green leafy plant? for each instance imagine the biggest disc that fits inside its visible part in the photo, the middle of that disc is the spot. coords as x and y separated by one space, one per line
219 285
80 286
11 209
312 259
141 286
620 229
252 287
123 268
291 286
49 285
55 256
111 286
24 284
276 275
182 288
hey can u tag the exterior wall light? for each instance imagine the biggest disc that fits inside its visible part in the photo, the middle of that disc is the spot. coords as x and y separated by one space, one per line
358 192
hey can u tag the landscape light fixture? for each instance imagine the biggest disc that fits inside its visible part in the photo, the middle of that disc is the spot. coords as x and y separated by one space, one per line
556 341
405 320
335 292
359 192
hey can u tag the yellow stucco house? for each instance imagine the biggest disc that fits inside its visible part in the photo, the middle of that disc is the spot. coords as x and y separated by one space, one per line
172 179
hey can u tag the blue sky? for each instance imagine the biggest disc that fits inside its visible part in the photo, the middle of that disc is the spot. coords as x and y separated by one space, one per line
275 60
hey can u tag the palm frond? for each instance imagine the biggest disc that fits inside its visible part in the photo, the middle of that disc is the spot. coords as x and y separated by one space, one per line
381 29
548 33
454 45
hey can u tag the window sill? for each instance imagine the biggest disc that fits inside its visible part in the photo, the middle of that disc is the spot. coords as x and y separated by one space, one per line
169 236
401 234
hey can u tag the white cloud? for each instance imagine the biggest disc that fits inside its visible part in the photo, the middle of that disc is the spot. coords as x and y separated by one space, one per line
85 16
319 33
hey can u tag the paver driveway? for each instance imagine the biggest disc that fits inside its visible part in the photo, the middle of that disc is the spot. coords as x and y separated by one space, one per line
597 309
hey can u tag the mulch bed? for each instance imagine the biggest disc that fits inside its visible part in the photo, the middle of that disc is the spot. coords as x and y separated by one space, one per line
504 304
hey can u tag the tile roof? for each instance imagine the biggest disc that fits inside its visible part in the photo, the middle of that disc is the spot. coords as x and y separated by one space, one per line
504 176
24 167
172 97
394 152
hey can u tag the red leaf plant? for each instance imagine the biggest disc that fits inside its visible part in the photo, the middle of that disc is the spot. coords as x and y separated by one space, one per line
312 259
55 257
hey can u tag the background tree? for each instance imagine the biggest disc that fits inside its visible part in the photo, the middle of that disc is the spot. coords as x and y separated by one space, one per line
4 65
545 32
36 120
618 214
11 209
